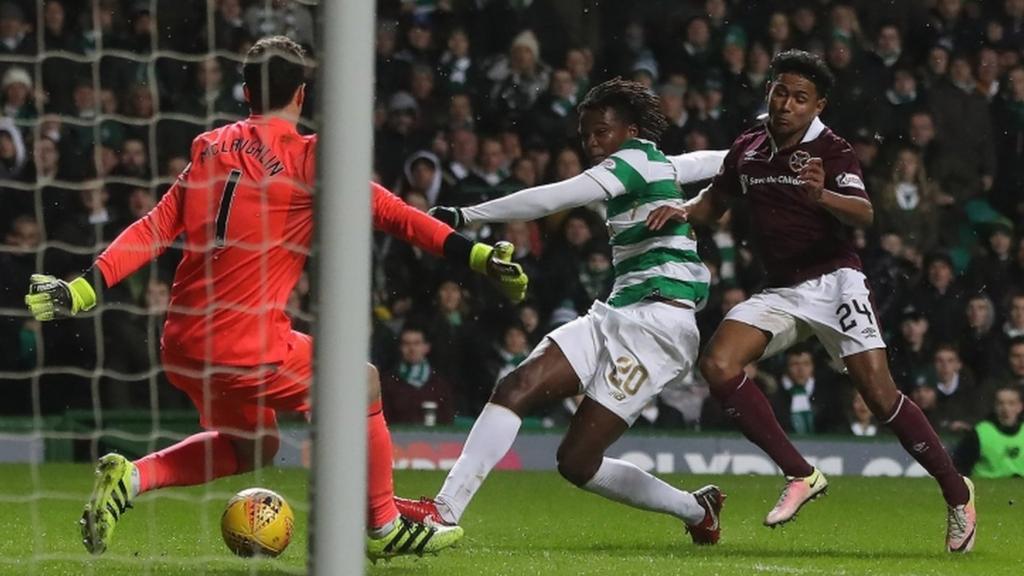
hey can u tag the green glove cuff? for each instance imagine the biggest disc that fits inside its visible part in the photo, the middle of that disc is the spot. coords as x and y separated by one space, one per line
83 297
479 256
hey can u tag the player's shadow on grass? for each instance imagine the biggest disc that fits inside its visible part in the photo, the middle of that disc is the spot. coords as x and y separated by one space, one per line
396 570
261 570
686 550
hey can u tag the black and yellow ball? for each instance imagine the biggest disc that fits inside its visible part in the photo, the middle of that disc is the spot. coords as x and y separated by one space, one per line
257 522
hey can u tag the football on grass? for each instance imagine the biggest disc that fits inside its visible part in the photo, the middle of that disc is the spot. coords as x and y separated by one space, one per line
257 522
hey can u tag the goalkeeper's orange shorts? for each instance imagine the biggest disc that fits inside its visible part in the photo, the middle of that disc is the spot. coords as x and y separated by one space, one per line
246 399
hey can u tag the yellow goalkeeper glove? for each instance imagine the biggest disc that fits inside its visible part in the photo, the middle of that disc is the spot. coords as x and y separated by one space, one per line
50 297
496 263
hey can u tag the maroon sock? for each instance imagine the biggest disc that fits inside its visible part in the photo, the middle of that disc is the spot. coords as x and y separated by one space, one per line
919 439
746 405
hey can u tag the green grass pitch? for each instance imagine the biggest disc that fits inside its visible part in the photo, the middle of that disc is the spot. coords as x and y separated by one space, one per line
529 523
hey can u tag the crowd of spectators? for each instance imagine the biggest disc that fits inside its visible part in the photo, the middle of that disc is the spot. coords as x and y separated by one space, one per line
476 99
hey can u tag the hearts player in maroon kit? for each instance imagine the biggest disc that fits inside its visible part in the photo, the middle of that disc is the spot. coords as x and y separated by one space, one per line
805 191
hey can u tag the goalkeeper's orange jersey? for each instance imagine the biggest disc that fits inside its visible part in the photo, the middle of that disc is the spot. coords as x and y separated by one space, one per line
244 210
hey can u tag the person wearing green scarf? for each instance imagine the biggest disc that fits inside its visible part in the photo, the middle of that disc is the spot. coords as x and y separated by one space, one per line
797 392
806 402
413 392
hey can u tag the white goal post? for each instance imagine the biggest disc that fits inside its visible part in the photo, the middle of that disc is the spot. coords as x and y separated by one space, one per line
338 488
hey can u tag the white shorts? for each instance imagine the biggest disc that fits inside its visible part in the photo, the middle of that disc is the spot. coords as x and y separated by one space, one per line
625 356
835 307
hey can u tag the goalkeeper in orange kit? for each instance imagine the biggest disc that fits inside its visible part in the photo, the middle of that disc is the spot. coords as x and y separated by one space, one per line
244 208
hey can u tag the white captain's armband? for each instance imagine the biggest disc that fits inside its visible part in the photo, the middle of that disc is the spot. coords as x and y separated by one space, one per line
848 180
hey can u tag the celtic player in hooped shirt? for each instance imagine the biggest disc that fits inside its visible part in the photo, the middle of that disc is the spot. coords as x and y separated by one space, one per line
623 352
804 188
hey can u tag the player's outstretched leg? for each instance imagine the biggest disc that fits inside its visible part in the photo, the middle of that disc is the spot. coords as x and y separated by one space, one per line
709 530
961 524
405 537
206 456
870 373
119 481
544 377
111 498
388 533
733 346
581 461
380 483
798 491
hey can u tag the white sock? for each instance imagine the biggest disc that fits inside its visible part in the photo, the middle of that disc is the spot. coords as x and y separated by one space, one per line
488 442
136 483
382 531
623 482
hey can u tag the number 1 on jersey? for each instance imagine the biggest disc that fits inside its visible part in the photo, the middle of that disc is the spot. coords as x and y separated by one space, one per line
225 206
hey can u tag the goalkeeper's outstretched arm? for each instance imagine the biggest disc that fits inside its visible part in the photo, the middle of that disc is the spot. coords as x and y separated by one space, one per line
392 215
50 297
147 238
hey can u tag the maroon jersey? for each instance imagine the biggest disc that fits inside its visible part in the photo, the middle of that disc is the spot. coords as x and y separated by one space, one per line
797 239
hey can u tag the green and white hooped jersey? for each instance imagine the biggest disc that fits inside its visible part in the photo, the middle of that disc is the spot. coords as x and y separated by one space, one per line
639 178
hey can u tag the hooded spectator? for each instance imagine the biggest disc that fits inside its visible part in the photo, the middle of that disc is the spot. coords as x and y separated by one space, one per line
981 345
423 174
12 150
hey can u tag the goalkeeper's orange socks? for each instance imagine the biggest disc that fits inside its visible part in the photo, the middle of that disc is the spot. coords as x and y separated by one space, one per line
380 481
185 463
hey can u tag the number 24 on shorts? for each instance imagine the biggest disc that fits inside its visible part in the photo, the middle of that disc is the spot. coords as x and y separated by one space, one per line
844 311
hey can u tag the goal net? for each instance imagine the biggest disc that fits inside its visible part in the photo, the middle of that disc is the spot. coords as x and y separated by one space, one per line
101 101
